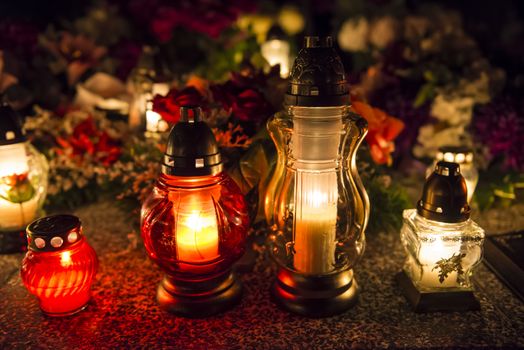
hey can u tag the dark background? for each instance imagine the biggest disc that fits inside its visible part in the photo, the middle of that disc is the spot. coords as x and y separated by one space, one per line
498 26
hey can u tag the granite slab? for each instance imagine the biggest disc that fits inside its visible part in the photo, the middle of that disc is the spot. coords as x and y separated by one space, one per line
123 312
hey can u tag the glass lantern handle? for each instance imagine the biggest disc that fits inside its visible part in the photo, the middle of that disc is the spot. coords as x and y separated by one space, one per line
357 132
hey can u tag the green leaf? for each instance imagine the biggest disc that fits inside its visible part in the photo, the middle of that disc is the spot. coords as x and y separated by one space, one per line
21 192
447 266
387 205
425 94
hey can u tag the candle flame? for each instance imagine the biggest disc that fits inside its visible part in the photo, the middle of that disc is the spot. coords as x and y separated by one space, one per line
65 258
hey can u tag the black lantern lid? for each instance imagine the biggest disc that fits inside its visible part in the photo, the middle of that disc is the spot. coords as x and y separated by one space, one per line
54 233
275 33
444 197
10 126
191 147
317 78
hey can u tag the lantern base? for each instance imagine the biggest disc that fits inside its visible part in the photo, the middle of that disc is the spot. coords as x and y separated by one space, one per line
13 241
66 305
199 298
422 301
317 295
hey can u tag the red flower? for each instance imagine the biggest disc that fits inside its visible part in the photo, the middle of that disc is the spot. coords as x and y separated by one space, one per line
383 129
169 106
250 104
209 17
245 103
127 54
87 139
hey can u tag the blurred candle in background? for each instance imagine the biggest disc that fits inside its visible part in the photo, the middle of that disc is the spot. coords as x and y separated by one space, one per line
276 50
23 181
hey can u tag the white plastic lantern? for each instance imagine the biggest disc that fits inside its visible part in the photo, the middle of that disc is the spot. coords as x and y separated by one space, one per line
23 181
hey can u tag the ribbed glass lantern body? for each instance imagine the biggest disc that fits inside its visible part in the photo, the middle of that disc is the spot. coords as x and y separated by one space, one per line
23 185
195 227
440 256
320 208
61 280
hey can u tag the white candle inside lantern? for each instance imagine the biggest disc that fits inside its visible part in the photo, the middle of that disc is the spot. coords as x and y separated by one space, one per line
315 222
315 145
276 52
431 253
14 162
196 235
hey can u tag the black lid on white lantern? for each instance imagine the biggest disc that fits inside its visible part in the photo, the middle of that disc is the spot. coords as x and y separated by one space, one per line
317 78
444 197
54 233
192 149
275 33
11 130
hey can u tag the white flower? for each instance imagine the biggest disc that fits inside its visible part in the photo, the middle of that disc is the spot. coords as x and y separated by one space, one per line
353 35
383 31
453 109
433 136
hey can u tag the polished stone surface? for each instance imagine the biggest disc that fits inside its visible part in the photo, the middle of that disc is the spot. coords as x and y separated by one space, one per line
123 312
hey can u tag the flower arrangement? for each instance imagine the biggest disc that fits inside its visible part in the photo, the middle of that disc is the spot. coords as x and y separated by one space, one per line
417 77
424 68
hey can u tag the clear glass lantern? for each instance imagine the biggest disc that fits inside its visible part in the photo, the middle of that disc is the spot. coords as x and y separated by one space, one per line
463 156
23 182
195 222
320 208
442 243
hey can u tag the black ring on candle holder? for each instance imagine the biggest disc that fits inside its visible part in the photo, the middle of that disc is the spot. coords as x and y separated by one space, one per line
315 295
199 298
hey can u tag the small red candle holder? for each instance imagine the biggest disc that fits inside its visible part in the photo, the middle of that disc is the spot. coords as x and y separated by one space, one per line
194 223
60 265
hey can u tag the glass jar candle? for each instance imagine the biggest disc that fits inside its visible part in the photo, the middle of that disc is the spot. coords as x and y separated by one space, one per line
60 265
194 223
23 182
319 207
442 244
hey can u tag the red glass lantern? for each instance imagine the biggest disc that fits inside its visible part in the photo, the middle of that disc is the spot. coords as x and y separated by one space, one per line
194 223
60 265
